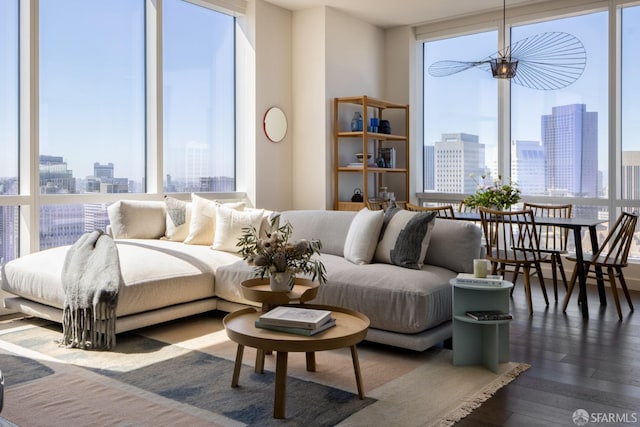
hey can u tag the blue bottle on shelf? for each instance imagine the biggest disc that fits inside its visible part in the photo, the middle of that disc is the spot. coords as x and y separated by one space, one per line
356 122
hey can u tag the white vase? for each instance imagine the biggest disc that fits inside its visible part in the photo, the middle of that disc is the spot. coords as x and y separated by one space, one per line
280 281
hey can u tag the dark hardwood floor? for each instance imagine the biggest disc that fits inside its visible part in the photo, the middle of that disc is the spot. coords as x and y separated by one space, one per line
591 364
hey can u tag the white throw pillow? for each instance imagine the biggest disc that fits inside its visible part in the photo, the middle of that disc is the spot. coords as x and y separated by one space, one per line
267 218
229 225
136 219
203 219
178 219
404 238
362 237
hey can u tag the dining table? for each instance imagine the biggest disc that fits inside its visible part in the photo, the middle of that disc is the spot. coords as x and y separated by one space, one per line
577 225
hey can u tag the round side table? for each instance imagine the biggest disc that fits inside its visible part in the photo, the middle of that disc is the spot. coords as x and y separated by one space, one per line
258 290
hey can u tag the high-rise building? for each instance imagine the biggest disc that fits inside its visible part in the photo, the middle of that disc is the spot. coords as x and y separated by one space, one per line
95 217
60 225
103 171
55 177
196 164
220 184
103 181
631 175
8 233
527 167
429 178
459 157
570 143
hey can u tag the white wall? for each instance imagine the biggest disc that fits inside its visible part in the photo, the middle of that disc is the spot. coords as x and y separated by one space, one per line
264 80
303 60
274 182
333 55
400 85
309 133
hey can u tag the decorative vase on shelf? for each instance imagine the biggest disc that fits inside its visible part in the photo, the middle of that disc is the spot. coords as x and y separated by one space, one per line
280 281
356 122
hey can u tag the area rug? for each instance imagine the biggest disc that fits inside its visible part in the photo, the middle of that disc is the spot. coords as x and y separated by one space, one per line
179 373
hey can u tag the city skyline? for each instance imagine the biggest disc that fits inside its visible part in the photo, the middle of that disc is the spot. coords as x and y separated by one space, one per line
468 102
562 163
93 86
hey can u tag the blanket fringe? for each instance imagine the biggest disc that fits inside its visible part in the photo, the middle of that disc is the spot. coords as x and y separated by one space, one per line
92 328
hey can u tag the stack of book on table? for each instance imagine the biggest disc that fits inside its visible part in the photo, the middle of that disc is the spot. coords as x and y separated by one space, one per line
489 315
296 320
470 279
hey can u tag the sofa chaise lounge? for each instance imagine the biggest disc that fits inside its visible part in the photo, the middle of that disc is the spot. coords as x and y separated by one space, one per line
168 273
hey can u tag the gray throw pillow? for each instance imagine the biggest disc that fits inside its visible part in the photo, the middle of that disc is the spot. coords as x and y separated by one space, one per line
404 238
178 219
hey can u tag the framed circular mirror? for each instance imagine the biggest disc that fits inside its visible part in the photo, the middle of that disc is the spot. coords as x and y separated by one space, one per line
275 124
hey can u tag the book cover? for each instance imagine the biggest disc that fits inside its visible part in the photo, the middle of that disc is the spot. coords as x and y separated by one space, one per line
298 317
489 315
298 331
388 154
491 279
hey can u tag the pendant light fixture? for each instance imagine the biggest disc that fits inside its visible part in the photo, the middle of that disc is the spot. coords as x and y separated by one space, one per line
504 67
545 61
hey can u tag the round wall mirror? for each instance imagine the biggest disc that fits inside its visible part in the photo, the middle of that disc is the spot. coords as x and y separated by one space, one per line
275 124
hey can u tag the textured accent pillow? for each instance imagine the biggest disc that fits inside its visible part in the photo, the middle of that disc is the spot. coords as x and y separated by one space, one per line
203 219
404 238
178 219
267 217
135 219
229 225
362 238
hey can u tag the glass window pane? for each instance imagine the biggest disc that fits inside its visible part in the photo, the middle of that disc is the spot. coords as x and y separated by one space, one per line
630 103
9 97
199 106
9 217
460 116
92 95
563 132
64 224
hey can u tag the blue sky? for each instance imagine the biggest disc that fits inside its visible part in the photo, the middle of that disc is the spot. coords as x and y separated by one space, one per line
467 101
92 85
85 120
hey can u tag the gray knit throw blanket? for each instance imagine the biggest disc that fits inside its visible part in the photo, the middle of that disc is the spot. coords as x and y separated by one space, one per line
91 279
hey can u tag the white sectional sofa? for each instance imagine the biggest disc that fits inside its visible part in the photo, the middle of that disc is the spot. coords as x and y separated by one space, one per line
167 279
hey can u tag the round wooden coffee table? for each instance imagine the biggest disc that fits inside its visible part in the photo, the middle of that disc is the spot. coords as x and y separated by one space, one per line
258 290
351 328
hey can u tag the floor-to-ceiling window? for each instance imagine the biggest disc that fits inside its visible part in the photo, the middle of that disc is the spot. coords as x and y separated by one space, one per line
630 103
9 126
559 137
92 109
576 144
78 97
198 89
460 116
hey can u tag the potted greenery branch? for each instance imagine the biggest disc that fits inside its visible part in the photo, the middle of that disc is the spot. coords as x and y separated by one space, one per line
274 255
496 195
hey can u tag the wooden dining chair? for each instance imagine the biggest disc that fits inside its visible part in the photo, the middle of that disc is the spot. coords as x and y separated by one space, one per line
444 211
463 207
612 257
553 239
511 240
377 204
